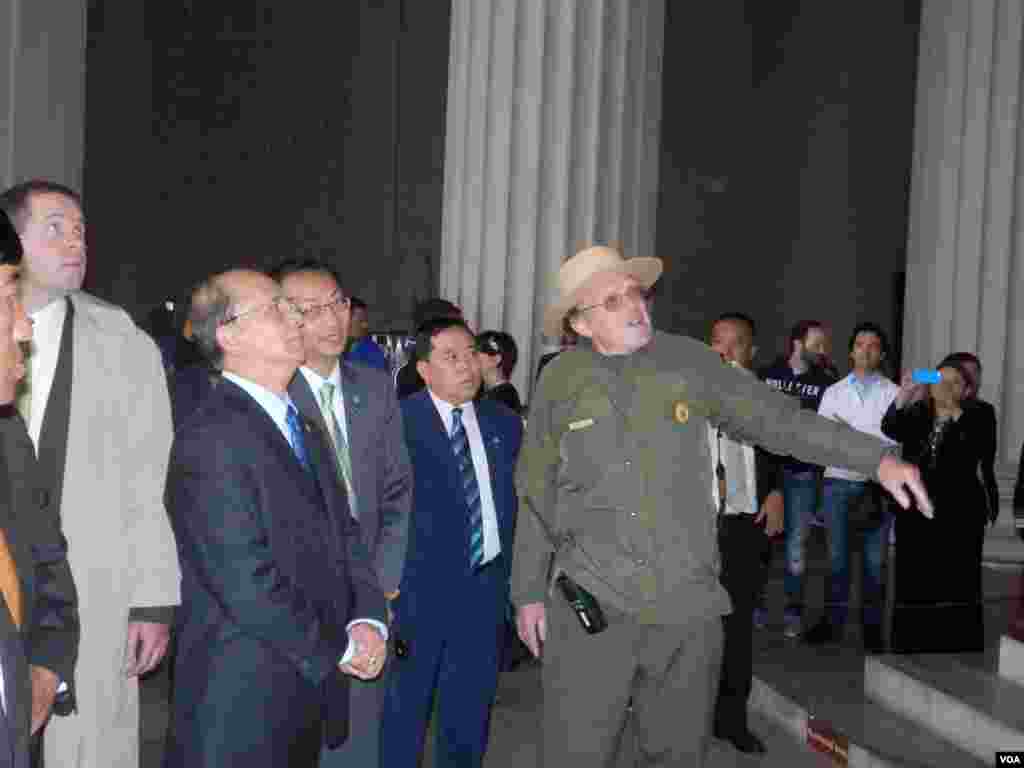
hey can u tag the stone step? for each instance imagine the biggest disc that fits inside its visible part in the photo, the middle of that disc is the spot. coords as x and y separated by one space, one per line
782 749
1011 659
822 689
870 735
965 704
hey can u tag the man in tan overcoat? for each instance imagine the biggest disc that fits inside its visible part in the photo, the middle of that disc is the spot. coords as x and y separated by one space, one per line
98 413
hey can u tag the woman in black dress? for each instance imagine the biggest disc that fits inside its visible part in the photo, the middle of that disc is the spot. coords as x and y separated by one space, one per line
938 561
498 354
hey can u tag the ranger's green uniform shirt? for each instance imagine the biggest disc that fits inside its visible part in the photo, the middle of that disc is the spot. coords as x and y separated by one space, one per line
616 454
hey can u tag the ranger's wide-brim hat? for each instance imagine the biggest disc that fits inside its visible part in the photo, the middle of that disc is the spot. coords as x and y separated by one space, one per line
576 273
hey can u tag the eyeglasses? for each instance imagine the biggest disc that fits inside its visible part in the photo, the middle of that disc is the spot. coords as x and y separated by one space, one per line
316 311
617 301
282 305
451 358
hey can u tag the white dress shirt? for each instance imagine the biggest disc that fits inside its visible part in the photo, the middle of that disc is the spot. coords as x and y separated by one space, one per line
47 327
860 404
316 383
277 409
488 513
740 473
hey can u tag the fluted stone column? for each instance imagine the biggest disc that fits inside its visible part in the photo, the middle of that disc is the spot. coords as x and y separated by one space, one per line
552 144
42 90
965 270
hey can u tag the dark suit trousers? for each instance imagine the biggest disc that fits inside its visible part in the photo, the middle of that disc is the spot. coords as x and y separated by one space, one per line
362 748
266 720
670 672
454 651
741 544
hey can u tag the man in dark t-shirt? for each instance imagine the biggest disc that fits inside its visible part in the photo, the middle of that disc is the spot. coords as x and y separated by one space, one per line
806 373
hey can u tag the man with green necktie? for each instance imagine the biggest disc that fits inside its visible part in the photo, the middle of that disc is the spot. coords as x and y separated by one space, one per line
356 407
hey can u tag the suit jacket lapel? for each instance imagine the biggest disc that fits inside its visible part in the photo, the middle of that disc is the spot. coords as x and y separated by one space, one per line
354 398
53 436
304 399
269 432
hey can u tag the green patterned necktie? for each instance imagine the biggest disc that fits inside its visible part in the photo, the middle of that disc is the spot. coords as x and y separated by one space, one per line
340 443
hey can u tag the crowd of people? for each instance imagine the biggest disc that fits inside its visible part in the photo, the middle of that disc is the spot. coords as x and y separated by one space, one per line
337 550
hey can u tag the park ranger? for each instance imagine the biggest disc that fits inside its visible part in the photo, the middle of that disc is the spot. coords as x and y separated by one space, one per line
614 479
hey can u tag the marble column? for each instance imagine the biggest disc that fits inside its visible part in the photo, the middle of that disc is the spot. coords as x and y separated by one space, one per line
552 144
965 261
42 90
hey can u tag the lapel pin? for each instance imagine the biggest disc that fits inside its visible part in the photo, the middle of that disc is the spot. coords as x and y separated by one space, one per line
681 412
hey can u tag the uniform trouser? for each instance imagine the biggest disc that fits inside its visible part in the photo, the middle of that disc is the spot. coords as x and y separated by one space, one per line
741 543
670 672
362 748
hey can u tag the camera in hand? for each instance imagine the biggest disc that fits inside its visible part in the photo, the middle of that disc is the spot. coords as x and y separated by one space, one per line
583 604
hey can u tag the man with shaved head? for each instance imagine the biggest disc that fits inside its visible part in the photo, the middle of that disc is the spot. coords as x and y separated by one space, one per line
279 602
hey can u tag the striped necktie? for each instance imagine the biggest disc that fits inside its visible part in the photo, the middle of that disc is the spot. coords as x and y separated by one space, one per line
296 438
340 443
467 474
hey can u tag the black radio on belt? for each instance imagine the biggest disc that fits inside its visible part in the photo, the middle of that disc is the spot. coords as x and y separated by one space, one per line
584 604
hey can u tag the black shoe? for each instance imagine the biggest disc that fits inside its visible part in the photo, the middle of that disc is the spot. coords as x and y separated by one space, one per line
821 633
873 639
744 741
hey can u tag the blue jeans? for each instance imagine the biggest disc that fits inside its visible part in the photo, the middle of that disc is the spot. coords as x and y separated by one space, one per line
839 497
800 494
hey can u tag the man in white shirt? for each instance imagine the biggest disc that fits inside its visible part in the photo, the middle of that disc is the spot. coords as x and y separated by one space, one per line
859 400
751 512
451 607
356 406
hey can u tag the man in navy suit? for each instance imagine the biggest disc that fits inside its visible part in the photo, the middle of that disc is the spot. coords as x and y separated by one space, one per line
279 601
450 609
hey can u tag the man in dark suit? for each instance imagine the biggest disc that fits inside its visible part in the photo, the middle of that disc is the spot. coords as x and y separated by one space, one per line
46 603
356 406
15 691
450 609
749 511
278 599
39 624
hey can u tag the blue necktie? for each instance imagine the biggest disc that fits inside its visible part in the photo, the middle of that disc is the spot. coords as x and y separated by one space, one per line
296 438
464 460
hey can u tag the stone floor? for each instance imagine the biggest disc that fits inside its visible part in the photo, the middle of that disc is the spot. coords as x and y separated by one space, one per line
516 716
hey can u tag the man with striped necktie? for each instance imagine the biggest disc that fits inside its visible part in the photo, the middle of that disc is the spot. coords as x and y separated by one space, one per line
450 609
